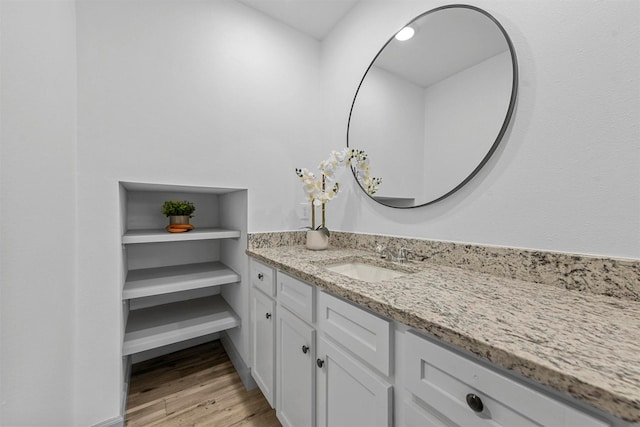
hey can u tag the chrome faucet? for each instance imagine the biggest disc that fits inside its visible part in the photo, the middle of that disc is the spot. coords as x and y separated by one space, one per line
400 255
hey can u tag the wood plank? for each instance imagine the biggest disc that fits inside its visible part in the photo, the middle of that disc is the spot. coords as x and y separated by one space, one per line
162 386
230 410
147 414
197 386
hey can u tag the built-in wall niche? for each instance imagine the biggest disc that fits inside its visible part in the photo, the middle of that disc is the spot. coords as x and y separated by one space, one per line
180 288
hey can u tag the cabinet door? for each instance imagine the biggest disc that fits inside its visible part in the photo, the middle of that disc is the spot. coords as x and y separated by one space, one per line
263 310
296 374
349 395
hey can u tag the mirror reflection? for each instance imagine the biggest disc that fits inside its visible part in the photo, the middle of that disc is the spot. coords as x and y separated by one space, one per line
431 109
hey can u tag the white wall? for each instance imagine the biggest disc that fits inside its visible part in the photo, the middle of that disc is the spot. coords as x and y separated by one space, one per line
37 212
567 175
207 93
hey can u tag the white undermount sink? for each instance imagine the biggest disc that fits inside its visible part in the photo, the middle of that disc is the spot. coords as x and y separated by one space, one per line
365 272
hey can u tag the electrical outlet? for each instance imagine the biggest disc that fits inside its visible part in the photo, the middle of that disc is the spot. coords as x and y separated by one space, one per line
304 211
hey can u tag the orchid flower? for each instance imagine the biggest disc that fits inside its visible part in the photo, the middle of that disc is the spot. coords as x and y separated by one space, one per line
316 188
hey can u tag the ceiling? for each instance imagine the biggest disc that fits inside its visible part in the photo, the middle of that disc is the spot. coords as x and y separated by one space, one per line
446 42
313 17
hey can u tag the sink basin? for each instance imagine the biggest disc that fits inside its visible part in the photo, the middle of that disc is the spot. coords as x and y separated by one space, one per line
365 272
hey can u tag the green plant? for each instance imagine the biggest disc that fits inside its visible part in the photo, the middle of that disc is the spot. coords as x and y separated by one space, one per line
178 208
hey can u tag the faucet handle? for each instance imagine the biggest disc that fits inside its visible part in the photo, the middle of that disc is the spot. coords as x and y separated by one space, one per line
402 254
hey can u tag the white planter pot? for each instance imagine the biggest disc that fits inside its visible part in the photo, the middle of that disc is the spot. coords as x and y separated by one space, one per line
317 240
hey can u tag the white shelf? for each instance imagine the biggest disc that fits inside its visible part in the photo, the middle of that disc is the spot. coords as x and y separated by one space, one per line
162 235
163 280
161 325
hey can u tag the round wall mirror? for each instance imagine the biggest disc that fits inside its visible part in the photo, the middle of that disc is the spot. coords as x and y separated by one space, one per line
431 110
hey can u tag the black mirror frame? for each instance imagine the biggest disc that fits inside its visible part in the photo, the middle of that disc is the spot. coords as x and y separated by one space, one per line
505 123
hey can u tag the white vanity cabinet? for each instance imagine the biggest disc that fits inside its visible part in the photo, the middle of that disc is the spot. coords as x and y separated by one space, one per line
263 329
354 355
296 378
448 389
326 377
263 310
337 364
296 352
360 332
349 394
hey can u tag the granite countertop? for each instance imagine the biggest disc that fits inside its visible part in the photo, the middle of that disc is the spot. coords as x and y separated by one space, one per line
584 345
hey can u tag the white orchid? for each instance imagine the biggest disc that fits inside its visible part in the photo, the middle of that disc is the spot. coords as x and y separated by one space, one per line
316 188
340 156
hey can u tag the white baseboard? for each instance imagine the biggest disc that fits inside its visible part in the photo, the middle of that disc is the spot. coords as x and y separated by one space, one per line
243 370
125 386
112 422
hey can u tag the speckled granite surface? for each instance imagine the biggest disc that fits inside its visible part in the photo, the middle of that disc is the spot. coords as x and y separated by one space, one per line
619 278
582 344
278 238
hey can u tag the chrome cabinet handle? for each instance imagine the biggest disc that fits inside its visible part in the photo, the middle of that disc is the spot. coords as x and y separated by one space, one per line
260 276
268 315
305 349
320 363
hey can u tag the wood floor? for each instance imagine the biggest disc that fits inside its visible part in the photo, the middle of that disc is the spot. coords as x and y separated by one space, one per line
194 387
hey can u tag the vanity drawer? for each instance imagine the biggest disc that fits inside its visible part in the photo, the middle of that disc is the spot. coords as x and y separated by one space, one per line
296 295
444 380
263 277
364 334
415 416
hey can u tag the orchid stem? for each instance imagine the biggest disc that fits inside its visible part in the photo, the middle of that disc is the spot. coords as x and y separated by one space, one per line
323 203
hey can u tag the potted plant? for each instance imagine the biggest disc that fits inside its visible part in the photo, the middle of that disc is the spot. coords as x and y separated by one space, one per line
319 192
179 213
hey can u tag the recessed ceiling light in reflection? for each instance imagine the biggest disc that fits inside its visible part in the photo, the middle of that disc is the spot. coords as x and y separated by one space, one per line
405 34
